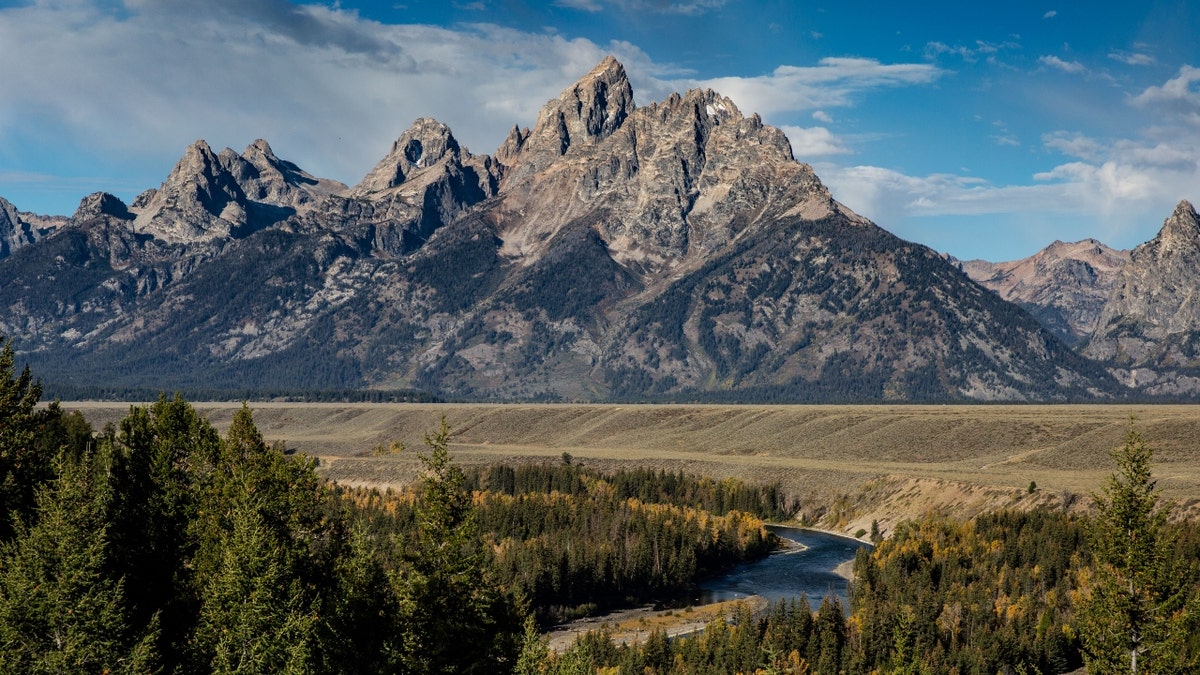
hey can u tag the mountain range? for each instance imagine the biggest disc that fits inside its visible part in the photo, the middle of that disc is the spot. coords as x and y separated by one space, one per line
671 251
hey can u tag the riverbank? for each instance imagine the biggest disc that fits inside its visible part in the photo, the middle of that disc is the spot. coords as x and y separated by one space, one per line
632 626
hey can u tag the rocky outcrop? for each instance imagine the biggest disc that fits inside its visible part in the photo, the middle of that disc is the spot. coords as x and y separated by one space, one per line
269 180
19 229
1064 286
1149 330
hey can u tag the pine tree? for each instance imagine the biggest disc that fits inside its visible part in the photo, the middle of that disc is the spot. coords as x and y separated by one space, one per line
1133 621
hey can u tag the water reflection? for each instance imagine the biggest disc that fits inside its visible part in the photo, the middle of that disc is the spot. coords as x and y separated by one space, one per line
789 573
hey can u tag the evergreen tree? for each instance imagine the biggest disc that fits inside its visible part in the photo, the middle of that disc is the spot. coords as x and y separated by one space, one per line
256 616
454 618
157 455
1133 621
26 461
59 611
262 557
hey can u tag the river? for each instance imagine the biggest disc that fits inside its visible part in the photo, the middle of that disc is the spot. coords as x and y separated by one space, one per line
804 570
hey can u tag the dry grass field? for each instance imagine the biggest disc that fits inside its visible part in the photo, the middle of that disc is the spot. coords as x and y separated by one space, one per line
861 462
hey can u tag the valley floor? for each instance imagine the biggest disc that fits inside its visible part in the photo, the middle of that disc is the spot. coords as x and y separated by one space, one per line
850 464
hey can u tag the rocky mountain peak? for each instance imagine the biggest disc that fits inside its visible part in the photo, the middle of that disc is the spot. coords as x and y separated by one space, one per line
664 183
1151 322
1064 286
423 145
588 111
1180 231
266 178
602 100
200 200
100 204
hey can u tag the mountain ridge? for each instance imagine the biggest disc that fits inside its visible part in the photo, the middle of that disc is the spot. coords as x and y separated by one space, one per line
613 252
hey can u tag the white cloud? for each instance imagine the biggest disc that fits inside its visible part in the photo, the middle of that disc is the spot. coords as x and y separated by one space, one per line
814 142
822 116
1107 191
1073 145
1132 58
1051 14
1065 66
692 8
969 54
834 82
1178 91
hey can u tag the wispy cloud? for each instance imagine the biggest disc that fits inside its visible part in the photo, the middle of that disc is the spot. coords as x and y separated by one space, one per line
1110 184
583 5
1051 14
822 116
695 7
969 53
834 82
814 142
1133 58
1073 67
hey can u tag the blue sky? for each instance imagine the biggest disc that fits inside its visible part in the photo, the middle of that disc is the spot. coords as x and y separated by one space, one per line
977 130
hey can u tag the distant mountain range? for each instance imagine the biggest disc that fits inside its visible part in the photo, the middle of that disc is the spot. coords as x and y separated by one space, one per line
673 251
1138 312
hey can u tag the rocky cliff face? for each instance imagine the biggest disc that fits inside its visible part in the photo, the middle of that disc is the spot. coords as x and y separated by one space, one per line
19 229
1149 330
1064 286
673 250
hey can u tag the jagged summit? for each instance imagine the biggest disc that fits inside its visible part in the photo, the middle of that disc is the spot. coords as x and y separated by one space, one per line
1180 231
665 183
1150 325
590 110
423 145
100 204
200 200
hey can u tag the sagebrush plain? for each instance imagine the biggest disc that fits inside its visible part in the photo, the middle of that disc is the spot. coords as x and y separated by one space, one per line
849 464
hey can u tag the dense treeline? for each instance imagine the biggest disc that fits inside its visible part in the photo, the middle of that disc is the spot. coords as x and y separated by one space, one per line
71 392
718 497
160 546
788 638
998 595
574 540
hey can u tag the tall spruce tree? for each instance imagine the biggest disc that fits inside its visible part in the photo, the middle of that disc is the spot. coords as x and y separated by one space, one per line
1134 619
